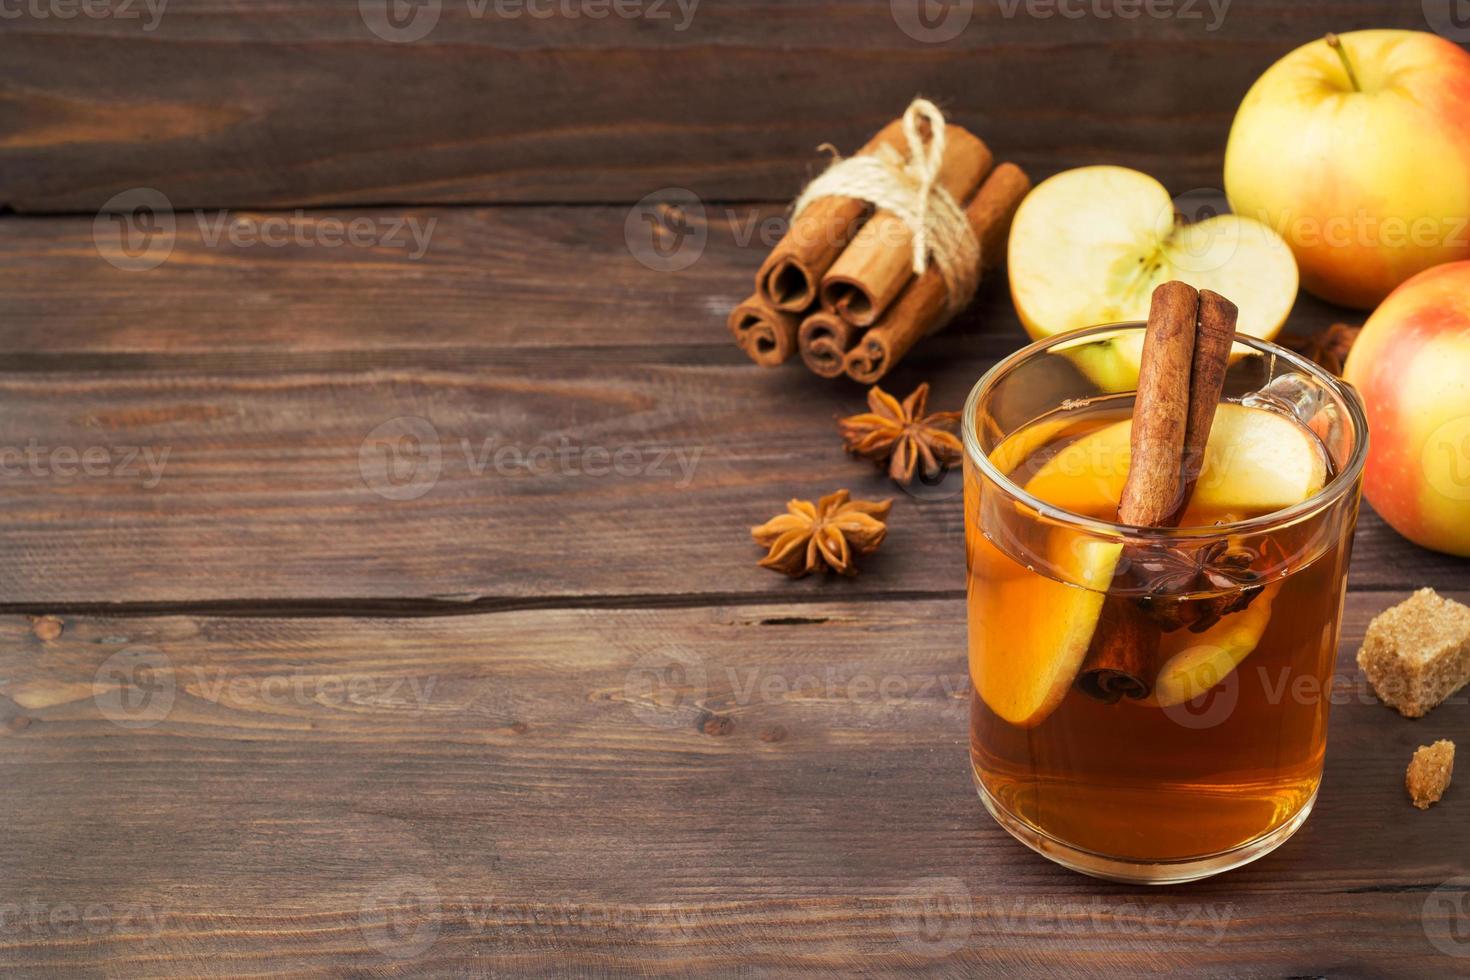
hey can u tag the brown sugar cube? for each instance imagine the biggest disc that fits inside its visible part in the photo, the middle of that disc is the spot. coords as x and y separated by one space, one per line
1429 772
1417 653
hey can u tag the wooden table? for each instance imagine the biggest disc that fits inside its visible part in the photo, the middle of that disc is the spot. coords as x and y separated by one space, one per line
369 613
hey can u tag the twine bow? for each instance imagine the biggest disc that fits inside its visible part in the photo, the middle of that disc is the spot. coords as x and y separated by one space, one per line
907 188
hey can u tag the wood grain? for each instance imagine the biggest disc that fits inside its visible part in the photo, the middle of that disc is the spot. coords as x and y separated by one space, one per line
758 788
296 102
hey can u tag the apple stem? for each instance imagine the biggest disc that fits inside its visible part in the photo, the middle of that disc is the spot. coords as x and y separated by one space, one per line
1335 43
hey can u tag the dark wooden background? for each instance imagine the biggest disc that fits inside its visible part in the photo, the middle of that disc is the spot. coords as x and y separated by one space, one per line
537 721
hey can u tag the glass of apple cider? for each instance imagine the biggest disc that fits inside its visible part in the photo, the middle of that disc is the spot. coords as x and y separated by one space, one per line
1201 750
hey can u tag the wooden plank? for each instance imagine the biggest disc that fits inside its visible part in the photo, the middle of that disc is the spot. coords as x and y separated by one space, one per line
298 102
245 795
236 395
576 281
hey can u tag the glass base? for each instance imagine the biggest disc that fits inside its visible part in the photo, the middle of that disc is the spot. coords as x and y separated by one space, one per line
1172 872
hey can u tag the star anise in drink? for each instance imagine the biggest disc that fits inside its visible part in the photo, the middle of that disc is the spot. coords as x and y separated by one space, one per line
826 535
902 437
1172 577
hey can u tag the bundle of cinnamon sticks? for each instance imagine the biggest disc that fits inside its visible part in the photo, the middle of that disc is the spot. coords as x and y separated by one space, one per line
840 286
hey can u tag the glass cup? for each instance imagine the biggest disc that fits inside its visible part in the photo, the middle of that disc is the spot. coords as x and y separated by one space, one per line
1203 750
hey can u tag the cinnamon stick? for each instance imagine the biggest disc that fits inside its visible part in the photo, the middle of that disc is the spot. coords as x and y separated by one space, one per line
765 333
871 272
1121 660
1161 409
923 306
1213 340
790 276
824 340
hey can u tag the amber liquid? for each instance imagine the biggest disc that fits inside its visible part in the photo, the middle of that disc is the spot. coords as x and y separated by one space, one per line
1134 780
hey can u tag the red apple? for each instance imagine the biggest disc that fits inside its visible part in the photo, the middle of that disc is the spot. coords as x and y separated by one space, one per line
1357 150
1411 364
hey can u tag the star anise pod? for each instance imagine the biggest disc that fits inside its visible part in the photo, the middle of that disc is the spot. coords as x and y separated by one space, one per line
1170 575
1327 347
829 534
901 436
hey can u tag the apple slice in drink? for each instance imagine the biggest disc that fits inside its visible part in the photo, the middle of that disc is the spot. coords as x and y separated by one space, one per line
1026 681
1255 462
1197 662
1089 246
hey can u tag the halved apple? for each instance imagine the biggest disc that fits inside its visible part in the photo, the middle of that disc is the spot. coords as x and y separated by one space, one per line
1256 461
1197 663
1089 245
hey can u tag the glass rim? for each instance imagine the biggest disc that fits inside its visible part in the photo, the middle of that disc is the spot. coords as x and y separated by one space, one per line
1346 478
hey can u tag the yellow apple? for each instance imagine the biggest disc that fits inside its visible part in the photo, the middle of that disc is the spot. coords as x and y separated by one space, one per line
1357 150
1088 246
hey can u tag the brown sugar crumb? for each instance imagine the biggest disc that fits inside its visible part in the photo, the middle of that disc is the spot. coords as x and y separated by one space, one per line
1417 653
1429 772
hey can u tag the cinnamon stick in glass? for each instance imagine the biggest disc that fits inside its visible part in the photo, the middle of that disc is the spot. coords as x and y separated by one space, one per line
790 276
824 340
923 307
870 273
766 334
1121 660
1213 340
